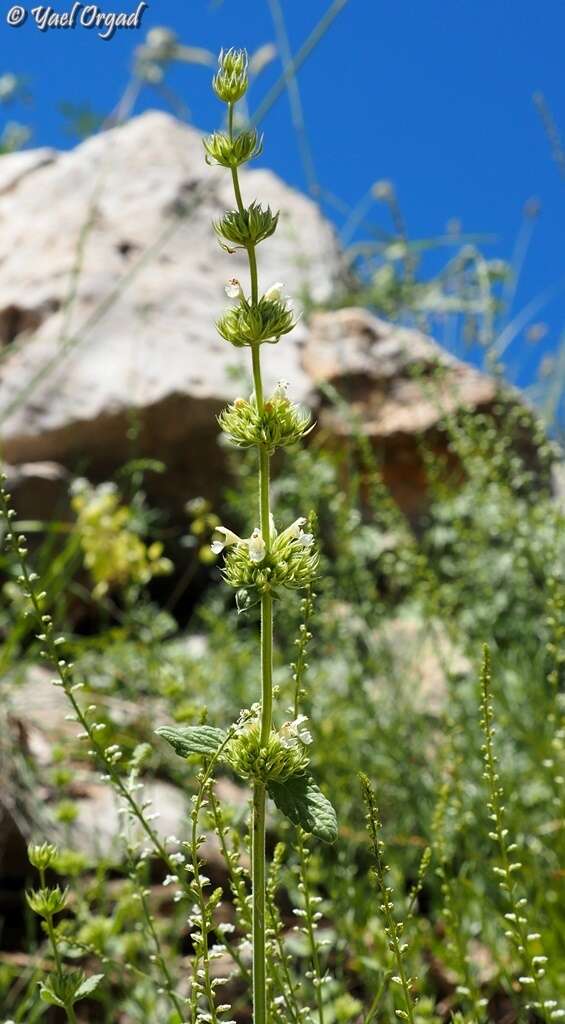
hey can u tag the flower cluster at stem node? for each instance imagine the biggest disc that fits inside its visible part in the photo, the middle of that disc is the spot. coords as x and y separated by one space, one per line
253 323
238 229
289 561
284 755
280 423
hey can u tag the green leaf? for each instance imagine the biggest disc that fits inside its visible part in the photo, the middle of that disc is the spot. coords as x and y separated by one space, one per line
48 996
192 739
300 799
88 986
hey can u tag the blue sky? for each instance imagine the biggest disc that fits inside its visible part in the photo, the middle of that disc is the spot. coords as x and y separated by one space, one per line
435 95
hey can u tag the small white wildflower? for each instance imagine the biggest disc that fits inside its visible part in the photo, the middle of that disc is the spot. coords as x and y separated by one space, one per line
257 546
225 928
281 389
294 530
226 539
275 291
294 732
233 289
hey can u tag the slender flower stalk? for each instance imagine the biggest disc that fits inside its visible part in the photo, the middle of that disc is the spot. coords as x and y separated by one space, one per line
258 875
518 926
64 987
393 928
275 761
310 916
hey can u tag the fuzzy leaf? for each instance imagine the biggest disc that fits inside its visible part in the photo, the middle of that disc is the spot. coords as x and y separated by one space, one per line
88 986
300 799
192 739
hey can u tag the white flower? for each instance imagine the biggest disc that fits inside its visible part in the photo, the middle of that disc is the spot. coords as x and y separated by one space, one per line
275 291
233 289
280 389
256 545
225 540
294 530
295 732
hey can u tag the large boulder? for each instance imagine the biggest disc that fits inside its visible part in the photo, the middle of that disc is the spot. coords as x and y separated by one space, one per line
111 278
397 386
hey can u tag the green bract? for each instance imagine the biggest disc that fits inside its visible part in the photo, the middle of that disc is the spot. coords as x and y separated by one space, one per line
232 152
281 423
272 761
246 227
231 81
47 902
67 989
245 324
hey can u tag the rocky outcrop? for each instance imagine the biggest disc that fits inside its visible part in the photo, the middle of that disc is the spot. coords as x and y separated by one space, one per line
397 385
35 724
110 281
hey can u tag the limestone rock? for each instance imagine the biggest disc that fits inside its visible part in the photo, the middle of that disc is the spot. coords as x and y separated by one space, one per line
398 385
34 720
111 280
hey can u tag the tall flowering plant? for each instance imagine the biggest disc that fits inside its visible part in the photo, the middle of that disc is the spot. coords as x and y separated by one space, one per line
273 759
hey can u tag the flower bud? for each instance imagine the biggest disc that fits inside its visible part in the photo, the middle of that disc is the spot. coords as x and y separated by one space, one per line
280 424
246 227
275 291
252 325
231 81
47 902
232 152
41 856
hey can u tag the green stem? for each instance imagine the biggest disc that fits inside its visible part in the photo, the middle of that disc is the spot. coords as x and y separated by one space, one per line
310 927
56 955
258 873
55 951
71 1014
257 382
258 867
266 666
